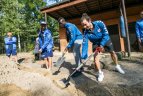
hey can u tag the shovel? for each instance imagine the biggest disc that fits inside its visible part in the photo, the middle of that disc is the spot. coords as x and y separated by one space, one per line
61 59
59 63
66 81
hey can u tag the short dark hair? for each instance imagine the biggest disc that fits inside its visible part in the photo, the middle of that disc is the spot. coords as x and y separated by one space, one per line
85 16
61 18
9 32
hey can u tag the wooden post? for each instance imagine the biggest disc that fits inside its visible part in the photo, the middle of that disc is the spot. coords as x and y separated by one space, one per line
121 39
89 48
63 41
46 18
126 27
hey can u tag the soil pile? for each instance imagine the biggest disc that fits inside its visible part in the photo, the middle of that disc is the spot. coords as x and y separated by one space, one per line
36 83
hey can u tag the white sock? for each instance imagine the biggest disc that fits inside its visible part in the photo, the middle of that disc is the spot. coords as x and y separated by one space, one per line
117 65
100 71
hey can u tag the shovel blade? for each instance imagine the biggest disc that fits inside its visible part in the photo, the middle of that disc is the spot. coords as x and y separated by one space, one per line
66 82
59 62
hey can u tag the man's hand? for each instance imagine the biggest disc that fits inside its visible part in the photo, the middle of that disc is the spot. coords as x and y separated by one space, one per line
139 40
82 60
100 49
66 49
40 51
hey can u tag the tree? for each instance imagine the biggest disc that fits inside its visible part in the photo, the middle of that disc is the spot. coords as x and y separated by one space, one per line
54 27
22 17
9 17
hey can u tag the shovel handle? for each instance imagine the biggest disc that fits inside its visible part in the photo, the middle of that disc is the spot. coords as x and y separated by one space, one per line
63 54
65 50
81 65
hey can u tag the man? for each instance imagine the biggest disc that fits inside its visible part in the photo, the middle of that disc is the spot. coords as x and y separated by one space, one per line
46 45
10 45
36 49
74 37
97 33
139 32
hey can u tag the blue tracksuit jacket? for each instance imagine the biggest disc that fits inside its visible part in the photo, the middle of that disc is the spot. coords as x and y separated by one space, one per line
73 34
99 36
10 42
45 40
139 29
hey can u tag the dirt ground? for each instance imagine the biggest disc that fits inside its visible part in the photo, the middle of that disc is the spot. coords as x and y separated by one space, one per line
29 79
13 90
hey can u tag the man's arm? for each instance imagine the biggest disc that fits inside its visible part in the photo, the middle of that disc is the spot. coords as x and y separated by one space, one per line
73 36
47 38
105 33
14 40
138 32
8 42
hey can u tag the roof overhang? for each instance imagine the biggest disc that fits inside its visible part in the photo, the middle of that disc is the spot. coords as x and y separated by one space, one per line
75 8
62 6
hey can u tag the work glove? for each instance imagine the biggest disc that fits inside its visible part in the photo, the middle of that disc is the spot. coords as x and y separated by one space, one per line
82 60
99 49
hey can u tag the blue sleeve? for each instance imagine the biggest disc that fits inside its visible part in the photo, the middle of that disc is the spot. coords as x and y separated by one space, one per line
105 33
137 31
85 47
47 38
8 42
14 40
72 32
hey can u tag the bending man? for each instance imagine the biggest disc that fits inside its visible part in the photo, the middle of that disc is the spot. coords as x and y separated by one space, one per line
97 33
74 37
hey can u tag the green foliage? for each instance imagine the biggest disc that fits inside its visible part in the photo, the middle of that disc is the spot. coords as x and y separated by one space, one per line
30 46
54 27
22 17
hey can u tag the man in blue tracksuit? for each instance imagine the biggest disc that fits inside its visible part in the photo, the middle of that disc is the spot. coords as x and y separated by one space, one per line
10 46
46 45
139 32
97 33
75 39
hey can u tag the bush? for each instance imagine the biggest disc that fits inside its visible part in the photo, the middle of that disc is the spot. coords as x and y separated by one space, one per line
30 47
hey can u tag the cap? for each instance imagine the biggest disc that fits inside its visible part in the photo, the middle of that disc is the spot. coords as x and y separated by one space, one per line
43 22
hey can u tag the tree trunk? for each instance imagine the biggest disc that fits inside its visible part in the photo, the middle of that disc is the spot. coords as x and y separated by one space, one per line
24 46
19 44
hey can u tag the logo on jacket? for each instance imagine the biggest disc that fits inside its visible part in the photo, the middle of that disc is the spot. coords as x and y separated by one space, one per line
99 30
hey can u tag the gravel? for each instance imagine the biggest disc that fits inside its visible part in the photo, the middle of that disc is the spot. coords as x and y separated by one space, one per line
35 82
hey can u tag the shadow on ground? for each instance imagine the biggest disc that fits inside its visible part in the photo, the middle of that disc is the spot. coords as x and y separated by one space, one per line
21 60
84 84
87 86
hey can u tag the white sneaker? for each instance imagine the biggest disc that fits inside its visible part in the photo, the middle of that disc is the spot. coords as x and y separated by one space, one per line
100 77
49 69
119 69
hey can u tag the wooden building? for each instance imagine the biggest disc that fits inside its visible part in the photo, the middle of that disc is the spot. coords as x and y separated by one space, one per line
106 10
